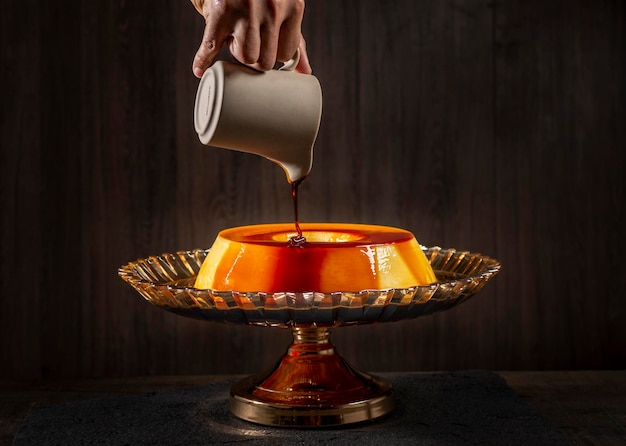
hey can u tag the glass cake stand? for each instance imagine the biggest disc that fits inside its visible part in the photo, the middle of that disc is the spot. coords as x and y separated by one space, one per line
311 385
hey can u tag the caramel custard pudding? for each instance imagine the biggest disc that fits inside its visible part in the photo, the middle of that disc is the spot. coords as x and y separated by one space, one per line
335 257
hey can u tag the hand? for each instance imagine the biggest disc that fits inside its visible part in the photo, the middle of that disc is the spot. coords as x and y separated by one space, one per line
258 32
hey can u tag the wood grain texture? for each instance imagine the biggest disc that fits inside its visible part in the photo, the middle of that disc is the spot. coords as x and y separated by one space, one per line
488 126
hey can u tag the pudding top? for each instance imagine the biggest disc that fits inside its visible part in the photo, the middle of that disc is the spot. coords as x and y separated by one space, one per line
318 234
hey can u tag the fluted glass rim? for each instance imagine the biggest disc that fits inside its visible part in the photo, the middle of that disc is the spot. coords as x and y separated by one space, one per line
157 278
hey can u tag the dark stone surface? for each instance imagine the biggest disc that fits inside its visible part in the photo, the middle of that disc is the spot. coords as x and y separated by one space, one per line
432 409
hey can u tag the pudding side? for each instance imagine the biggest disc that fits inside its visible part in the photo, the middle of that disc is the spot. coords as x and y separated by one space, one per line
336 257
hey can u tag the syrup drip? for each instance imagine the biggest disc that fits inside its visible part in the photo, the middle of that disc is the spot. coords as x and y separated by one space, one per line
297 240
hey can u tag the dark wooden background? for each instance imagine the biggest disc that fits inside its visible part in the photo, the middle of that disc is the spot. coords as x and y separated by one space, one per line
490 126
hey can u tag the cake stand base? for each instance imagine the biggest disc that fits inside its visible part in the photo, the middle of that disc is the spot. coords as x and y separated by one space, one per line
311 386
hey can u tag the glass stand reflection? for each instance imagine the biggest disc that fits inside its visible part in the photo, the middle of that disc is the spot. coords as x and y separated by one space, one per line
311 386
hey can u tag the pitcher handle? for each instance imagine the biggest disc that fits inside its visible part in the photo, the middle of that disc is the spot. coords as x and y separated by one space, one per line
292 63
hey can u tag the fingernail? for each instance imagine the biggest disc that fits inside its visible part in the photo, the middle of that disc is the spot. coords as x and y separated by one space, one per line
198 72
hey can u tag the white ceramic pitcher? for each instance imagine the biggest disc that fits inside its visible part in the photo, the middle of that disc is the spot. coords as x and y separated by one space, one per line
275 114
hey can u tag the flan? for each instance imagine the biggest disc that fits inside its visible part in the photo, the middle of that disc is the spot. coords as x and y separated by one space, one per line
334 258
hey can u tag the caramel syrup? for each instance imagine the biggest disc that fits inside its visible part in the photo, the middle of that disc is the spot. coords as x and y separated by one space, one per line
298 240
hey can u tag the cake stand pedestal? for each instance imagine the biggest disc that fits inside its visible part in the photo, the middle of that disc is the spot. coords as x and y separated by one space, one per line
312 385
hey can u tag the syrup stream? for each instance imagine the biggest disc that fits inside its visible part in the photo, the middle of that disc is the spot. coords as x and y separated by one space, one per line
299 240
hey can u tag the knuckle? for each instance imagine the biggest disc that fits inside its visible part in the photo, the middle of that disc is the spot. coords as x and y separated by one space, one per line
208 44
277 10
218 9
298 6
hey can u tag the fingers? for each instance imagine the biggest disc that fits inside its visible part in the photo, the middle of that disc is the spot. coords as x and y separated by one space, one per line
206 54
290 35
259 32
304 66
269 47
245 45
215 34
255 39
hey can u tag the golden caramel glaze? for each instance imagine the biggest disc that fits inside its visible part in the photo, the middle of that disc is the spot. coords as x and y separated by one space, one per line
336 257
